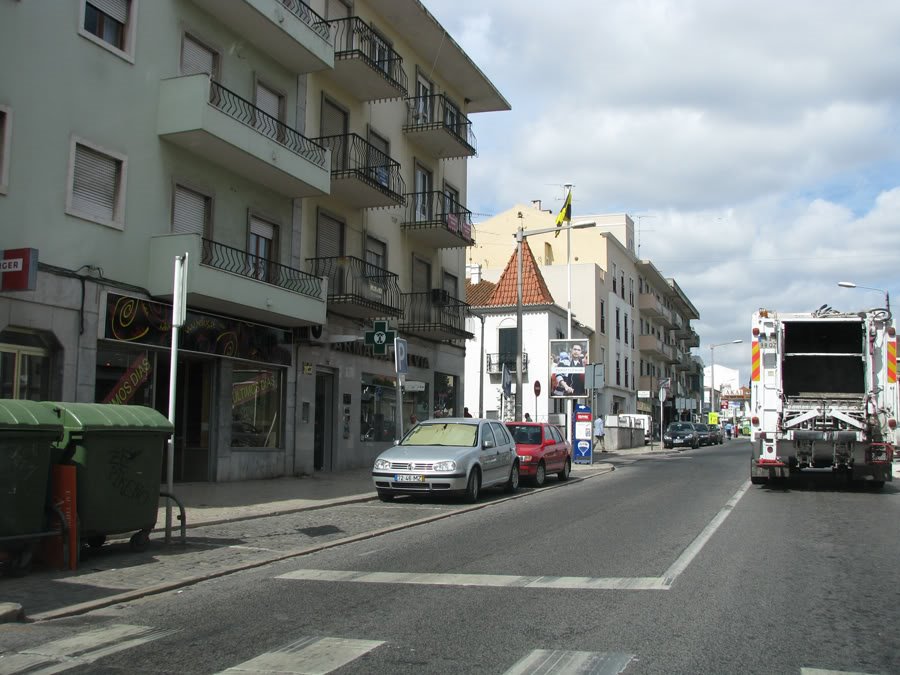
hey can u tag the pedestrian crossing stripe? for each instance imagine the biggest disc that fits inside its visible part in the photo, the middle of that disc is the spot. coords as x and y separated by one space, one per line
308 656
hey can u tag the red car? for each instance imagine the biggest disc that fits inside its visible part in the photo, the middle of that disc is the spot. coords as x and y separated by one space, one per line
542 449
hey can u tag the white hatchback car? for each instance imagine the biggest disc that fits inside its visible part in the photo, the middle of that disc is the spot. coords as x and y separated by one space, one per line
457 455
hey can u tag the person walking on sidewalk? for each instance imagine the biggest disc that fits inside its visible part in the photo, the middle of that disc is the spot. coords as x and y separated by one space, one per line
599 434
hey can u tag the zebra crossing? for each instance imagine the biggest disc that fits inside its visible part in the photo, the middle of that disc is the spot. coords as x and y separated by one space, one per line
310 655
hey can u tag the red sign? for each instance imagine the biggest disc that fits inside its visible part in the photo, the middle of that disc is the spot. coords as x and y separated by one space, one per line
537 388
18 269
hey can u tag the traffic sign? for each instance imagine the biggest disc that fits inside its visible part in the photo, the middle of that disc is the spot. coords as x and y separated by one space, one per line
662 395
537 388
400 352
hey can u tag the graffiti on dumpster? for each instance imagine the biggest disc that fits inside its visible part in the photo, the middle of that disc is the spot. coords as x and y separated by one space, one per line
121 468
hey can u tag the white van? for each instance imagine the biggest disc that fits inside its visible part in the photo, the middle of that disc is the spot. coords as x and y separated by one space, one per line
645 422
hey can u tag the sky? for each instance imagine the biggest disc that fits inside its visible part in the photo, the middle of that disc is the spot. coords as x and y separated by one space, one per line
755 145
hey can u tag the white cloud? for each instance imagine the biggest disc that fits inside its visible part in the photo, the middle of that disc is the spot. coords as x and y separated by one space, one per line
761 138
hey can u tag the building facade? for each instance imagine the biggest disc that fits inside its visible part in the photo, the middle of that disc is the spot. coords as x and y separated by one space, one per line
310 159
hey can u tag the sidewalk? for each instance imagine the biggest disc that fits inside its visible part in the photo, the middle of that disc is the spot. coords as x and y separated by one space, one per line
230 527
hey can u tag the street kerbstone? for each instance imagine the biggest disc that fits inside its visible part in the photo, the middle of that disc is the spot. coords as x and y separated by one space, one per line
11 611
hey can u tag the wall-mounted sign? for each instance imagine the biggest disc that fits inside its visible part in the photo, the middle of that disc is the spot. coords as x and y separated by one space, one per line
18 269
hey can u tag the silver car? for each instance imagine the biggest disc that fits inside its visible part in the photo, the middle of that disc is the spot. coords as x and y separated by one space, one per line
459 455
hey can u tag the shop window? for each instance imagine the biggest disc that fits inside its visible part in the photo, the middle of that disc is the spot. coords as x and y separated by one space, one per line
256 403
378 406
25 362
445 388
124 376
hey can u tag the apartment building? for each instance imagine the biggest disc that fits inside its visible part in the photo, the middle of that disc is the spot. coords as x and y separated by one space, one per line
311 161
640 319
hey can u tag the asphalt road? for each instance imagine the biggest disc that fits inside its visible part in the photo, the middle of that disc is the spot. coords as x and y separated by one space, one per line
670 564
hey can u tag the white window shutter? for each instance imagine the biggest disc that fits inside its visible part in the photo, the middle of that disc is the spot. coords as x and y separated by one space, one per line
190 212
262 229
196 58
268 101
95 183
117 9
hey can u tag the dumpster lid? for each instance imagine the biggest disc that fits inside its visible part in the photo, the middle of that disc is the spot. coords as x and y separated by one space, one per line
28 416
110 416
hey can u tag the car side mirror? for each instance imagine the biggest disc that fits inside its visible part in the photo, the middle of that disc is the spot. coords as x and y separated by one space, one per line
487 444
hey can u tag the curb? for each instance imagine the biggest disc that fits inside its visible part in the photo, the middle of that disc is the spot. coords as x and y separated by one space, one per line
127 596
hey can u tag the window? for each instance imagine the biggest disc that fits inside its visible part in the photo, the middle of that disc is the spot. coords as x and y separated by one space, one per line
615 275
255 406
451 116
423 194
622 285
603 316
190 211
625 323
379 158
378 406
423 100
271 104
261 248
618 369
506 339
376 263
5 135
25 365
450 284
197 57
97 187
110 24
626 372
125 376
445 388
451 208
618 325
380 51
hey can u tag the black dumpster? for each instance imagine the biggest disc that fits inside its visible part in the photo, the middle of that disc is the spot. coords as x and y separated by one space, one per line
118 451
27 434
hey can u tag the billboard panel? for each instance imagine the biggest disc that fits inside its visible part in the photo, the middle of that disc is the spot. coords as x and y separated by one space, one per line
567 361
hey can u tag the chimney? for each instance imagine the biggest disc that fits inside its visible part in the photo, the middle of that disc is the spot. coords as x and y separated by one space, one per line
474 272
536 203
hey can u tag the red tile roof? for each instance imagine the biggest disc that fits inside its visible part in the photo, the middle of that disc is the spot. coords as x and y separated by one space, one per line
478 294
534 288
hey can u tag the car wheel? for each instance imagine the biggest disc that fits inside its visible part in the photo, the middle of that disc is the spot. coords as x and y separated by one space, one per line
473 487
540 475
385 496
566 470
513 483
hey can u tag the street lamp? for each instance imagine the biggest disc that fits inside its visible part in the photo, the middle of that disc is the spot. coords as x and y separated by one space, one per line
712 369
887 297
520 237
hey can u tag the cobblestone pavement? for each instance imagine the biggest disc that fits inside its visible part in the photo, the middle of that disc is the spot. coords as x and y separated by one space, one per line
231 527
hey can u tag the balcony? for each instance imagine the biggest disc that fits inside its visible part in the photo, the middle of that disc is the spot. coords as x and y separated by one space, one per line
230 281
691 339
650 306
438 127
364 64
212 122
653 346
436 220
494 363
435 315
357 289
287 30
361 174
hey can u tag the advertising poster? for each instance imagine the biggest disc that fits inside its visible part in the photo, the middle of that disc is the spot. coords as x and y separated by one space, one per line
567 361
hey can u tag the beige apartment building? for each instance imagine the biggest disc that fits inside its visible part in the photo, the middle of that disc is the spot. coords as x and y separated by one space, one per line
640 319
310 158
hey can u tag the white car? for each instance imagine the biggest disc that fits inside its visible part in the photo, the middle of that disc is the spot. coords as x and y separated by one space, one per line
458 455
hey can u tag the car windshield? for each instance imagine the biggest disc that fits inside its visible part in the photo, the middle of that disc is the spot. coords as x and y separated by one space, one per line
525 434
446 433
681 426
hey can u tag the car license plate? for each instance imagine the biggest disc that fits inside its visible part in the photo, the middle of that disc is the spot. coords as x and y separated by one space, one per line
679 440
408 478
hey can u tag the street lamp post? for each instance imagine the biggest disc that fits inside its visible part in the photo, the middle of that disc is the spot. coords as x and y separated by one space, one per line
887 297
521 235
712 369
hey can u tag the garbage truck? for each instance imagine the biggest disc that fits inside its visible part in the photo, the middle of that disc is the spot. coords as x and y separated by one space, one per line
823 395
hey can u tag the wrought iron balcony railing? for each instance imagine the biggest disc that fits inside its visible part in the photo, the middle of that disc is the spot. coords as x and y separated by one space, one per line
353 156
438 112
353 281
437 313
245 112
236 261
306 14
439 208
354 38
494 362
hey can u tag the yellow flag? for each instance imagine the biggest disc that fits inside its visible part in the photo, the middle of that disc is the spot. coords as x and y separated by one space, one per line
565 213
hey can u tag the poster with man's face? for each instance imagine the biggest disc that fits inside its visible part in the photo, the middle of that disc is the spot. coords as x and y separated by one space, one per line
567 361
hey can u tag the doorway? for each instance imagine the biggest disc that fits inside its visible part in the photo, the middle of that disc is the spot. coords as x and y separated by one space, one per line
193 392
323 437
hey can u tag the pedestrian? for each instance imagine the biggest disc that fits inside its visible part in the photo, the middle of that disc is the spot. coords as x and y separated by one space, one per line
413 420
728 430
466 412
599 434
528 417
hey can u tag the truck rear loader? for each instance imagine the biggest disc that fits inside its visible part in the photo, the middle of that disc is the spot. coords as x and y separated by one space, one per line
823 395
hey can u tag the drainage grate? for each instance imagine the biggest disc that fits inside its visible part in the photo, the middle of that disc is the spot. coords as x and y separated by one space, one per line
320 530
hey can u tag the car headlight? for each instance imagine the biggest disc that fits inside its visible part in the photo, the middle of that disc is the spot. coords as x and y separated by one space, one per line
446 465
667 437
382 464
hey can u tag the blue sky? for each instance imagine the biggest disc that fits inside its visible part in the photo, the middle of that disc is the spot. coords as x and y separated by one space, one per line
761 140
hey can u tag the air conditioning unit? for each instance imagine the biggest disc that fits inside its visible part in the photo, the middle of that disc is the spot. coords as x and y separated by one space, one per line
440 297
310 333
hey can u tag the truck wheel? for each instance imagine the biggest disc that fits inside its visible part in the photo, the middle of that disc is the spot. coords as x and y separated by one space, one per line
758 480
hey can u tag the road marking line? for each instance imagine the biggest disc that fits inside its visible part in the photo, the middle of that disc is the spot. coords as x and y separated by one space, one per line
562 662
664 582
308 656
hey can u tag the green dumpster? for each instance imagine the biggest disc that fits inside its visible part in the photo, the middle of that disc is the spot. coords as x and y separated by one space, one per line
27 433
118 452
